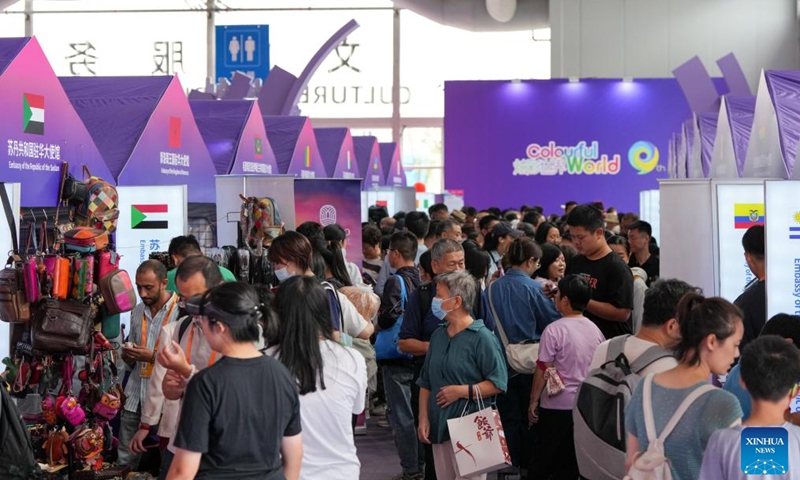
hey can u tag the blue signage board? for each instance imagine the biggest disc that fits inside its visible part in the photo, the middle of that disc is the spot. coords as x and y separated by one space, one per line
242 48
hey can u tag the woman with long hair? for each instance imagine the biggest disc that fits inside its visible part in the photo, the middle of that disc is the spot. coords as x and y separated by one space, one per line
336 236
548 233
711 329
331 378
291 255
519 306
240 416
621 247
496 242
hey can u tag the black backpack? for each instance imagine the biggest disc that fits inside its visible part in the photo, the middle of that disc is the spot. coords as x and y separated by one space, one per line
16 449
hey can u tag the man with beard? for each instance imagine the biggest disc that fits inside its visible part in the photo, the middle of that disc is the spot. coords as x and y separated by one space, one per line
158 308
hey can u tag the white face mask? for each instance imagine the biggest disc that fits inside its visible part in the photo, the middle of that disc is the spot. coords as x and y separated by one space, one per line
344 254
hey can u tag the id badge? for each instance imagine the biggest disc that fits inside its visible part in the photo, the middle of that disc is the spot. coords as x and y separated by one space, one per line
145 369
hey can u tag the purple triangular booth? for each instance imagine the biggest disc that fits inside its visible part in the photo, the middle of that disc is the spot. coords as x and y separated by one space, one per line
234 133
784 86
337 152
146 132
40 127
707 124
741 110
295 146
368 155
394 174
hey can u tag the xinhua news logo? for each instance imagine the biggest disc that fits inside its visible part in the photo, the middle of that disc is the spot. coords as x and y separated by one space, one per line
765 451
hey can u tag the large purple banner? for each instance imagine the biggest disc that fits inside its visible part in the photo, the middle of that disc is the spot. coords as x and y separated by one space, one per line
39 127
544 142
328 201
171 150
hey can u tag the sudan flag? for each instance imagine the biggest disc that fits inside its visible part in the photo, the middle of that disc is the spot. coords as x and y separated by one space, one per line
149 217
33 113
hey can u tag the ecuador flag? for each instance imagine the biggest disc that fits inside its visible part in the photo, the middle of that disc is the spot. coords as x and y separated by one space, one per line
747 215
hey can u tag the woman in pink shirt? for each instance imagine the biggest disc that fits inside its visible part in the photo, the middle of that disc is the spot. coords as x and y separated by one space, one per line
565 353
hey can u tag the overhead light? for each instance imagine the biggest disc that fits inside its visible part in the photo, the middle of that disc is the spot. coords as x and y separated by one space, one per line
574 79
627 79
516 80
541 35
501 10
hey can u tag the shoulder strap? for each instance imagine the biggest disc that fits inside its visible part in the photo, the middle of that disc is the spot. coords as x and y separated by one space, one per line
684 406
403 293
647 407
651 355
9 216
497 321
184 326
616 347
335 295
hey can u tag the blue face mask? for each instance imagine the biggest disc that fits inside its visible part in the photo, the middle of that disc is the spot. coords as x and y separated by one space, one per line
437 310
283 274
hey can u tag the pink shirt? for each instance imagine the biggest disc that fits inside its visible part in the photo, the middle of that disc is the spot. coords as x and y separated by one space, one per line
568 343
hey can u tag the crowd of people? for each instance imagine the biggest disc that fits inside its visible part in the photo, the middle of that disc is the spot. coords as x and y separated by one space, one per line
272 381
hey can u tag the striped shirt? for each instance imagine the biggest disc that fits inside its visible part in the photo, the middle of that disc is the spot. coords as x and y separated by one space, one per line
136 389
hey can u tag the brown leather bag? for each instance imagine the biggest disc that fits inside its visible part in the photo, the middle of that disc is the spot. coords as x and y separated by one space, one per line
62 326
14 306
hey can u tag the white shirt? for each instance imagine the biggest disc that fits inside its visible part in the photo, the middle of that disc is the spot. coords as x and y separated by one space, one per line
329 450
157 410
634 347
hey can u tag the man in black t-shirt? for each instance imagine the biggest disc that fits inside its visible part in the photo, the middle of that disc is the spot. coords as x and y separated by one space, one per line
608 276
640 235
753 301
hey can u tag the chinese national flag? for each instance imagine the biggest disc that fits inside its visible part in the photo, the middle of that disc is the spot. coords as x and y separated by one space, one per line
174 132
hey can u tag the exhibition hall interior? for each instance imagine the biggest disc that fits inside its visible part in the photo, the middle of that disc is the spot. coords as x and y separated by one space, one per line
400 239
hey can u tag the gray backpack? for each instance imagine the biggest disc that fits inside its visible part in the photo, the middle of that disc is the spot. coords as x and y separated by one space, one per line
599 411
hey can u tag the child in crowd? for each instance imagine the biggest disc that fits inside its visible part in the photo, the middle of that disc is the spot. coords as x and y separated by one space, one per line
770 367
567 345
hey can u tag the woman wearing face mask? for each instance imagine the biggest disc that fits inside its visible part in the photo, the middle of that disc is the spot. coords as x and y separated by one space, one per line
496 243
335 234
291 254
523 311
621 247
462 359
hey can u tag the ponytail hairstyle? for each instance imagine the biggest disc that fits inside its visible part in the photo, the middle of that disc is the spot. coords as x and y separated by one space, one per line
700 317
238 306
331 253
334 233
305 317
521 250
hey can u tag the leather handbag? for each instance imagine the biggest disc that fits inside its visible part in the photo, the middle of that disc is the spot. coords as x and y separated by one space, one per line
30 267
105 263
61 326
118 293
521 357
58 270
85 239
14 305
82 278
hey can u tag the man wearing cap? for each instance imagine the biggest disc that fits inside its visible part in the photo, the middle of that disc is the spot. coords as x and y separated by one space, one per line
502 236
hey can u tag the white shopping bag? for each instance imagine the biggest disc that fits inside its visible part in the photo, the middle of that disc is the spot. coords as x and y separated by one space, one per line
479 442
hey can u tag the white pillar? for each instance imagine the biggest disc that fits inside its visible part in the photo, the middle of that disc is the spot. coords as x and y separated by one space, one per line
396 77
28 18
210 40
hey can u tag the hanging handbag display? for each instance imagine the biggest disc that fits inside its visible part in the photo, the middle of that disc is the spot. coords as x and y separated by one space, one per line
59 273
61 326
30 267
